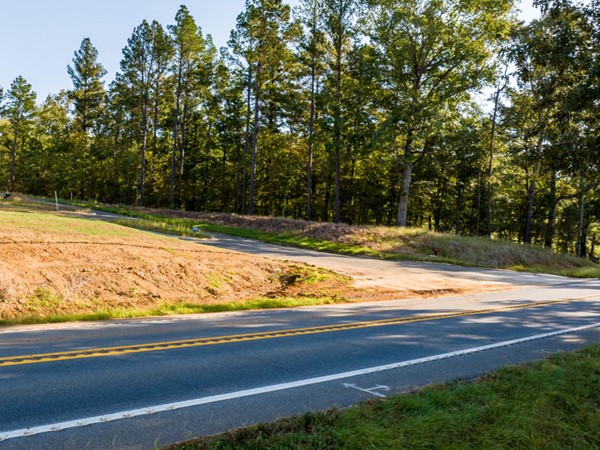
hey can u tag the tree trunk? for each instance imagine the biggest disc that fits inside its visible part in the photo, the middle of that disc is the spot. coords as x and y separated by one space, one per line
491 154
154 128
175 133
459 201
241 169
144 143
13 160
327 200
255 138
580 234
549 236
402 219
311 124
478 204
529 209
183 143
338 137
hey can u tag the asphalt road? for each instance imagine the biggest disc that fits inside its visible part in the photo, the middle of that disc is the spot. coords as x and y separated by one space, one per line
146 383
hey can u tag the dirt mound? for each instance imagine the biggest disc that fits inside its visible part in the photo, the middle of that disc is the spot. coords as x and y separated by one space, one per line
60 265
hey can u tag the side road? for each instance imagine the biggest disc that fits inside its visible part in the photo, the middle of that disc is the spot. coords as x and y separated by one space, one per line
403 276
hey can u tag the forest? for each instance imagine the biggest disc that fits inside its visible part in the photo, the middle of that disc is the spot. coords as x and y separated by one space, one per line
450 115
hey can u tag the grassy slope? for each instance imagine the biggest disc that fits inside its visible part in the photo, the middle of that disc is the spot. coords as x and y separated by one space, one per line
552 404
379 242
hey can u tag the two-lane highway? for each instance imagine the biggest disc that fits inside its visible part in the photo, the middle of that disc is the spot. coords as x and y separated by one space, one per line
149 382
145 383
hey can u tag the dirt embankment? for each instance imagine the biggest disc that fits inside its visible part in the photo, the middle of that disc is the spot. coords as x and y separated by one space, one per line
51 265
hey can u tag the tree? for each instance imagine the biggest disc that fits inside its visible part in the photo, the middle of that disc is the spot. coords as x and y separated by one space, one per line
137 71
45 159
161 92
262 34
311 56
338 26
433 53
551 104
88 91
145 61
19 111
88 96
193 65
500 87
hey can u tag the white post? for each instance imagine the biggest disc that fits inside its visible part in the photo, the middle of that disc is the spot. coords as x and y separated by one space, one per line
56 199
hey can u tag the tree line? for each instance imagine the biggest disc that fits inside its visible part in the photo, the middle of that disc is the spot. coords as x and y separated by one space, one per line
446 114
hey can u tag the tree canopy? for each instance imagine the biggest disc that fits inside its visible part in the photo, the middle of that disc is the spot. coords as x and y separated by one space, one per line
451 115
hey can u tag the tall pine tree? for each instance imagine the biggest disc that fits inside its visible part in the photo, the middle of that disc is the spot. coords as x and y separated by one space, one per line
18 110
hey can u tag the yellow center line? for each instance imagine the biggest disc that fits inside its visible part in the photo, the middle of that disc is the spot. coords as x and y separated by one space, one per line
199 342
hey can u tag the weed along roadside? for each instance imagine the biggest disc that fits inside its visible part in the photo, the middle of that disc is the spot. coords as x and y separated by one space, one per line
544 405
392 243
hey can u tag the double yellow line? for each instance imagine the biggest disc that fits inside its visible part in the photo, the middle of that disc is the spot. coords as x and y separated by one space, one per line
205 341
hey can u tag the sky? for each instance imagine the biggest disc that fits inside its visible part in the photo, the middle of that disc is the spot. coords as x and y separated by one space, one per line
39 37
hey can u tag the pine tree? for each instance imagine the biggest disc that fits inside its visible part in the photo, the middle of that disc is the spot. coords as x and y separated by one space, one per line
312 58
19 111
146 59
338 26
262 34
192 68
88 88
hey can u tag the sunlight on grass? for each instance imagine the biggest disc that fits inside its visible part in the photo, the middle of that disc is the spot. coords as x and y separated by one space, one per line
175 308
394 243
547 404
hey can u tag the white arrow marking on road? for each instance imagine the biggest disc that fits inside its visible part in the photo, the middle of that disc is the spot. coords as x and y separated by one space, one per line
276 387
372 391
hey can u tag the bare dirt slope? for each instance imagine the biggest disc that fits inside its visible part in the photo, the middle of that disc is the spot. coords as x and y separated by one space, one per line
72 264
52 264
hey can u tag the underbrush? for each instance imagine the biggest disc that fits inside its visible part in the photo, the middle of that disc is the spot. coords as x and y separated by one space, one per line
168 309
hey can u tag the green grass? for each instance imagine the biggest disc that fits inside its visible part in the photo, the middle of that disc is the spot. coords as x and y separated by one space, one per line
177 227
41 223
403 244
162 310
551 404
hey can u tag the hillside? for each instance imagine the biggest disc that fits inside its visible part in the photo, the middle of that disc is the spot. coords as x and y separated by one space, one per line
54 266
390 242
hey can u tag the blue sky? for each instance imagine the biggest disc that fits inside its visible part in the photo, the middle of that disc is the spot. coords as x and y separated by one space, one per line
38 37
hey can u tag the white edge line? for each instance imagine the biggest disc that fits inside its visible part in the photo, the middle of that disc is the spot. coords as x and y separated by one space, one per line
26 432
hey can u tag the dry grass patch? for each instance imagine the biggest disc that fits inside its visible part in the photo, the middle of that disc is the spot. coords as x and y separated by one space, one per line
413 243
